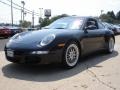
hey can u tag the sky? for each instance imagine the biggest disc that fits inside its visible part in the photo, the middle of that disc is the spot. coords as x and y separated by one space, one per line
70 7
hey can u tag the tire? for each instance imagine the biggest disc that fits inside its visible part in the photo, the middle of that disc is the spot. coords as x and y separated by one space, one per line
71 55
110 45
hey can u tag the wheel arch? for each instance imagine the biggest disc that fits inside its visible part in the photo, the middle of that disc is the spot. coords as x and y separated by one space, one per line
107 37
113 37
76 41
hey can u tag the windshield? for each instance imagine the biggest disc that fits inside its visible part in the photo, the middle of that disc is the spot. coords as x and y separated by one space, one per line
66 23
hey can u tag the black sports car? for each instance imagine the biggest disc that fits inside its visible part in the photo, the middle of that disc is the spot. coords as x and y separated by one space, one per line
63 41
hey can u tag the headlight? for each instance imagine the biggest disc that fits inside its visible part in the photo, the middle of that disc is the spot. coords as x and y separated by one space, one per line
47 40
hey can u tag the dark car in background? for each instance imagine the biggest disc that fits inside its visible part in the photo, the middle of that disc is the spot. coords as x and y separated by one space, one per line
14 30
5 32
64 41
32 29
117 27
114 28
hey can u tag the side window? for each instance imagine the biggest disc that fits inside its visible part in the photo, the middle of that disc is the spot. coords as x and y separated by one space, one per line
100 25
91 24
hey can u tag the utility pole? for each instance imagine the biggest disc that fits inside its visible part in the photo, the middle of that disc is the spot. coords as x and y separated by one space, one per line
40 19
21 17
21 14
41 12
11 13
23 10
102 12
33 19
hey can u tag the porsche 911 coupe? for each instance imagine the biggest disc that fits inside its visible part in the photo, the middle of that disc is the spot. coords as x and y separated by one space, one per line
64 41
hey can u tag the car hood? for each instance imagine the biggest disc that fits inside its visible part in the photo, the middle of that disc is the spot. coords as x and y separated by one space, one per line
37 36
31 39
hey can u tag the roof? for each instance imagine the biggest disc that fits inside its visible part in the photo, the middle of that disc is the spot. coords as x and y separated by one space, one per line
83 17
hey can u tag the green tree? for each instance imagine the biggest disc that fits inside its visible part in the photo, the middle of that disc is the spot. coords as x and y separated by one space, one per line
25 24
111 14
109 17
47 21
106 18
40 20
118 15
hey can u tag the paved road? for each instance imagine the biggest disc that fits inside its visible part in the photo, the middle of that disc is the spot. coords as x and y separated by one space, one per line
98 72
2 43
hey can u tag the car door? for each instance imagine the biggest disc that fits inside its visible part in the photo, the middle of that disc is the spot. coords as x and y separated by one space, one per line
93 38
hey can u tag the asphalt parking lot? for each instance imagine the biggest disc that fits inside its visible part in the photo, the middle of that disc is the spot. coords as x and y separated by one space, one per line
97 72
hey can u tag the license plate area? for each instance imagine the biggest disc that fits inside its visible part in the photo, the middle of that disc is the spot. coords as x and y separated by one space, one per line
10 53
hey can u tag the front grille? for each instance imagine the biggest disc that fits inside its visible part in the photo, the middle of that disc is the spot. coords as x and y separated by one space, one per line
20 53
32 59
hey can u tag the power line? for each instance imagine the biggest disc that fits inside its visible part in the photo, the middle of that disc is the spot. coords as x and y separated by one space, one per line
27 11
37 14
9 5
18 7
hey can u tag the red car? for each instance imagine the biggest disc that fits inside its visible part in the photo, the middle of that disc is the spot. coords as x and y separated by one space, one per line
5 32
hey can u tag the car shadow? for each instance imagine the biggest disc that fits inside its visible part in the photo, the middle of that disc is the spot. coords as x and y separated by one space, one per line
47 73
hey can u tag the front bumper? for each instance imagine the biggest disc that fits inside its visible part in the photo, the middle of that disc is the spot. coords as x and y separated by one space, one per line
34 57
